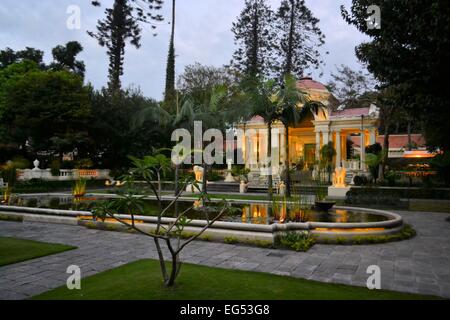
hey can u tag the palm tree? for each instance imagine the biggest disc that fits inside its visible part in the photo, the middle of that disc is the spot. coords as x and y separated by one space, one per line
211 113
293 106
262 100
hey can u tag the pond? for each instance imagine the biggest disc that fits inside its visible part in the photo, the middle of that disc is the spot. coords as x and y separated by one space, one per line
251 212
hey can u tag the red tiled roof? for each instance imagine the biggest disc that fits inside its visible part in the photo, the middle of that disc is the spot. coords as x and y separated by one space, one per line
396 141
401 140
353 112
309 83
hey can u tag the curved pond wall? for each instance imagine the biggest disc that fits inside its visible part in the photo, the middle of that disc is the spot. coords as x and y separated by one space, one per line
221 229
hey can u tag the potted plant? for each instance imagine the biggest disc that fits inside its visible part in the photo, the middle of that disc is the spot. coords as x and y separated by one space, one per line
321 203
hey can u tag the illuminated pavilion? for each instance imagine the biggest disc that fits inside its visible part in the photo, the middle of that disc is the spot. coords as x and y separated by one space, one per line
341 127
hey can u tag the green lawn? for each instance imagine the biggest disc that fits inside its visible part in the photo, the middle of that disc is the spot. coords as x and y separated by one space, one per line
142 280
14 250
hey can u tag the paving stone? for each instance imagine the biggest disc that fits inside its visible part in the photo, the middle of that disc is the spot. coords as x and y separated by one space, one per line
417 265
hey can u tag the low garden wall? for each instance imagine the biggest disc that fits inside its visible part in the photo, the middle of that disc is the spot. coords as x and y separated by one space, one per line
63 174
221 230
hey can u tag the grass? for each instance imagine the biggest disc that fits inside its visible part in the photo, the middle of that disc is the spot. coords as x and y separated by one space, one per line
14 250
142 280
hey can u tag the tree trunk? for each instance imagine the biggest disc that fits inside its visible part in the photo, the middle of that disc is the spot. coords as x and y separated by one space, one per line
288 66
286 161
385 150
175 265
177 168
162 264
269 155
408 128
205 178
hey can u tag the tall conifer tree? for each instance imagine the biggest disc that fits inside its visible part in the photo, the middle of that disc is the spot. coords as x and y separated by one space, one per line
299 39
254 37
120 25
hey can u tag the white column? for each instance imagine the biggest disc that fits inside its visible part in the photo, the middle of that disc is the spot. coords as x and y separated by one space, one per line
338 148
372 136
317 146
326 137
363 151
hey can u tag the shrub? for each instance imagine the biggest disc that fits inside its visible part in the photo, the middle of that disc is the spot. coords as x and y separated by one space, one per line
55 167
84 164
230 240
360 180
10 217
38 185
298 241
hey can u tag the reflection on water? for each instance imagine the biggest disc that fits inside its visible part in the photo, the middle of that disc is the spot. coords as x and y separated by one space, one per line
255 213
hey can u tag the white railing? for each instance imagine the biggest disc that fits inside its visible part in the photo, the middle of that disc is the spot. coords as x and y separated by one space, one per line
351 164
64 174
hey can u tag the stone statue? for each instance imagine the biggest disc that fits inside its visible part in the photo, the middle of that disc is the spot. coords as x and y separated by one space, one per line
229 177
339 177
198 172
36 164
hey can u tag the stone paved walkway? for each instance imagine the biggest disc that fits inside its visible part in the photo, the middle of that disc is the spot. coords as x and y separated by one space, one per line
419 265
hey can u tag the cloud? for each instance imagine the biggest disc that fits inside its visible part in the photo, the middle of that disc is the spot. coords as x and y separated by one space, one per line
203 35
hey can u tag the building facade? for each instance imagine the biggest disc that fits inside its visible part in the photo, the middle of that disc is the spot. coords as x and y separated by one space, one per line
307 138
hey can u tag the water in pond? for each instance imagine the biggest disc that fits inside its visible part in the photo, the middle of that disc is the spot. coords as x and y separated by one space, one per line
248 213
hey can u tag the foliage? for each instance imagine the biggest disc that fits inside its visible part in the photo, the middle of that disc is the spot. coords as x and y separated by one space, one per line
373 196
292 107
298 241
32 99
373 161
120 25
391 177
241 172
84 163
441 162
150 169
55 167
374 148
79 188
8 170
411 61
254 37
230 240
360 180
299 38
169 91
198 81
65 58
124 124
43 186
352 88
9 57
327 152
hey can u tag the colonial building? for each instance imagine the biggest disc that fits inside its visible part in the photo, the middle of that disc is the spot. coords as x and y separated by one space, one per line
306 139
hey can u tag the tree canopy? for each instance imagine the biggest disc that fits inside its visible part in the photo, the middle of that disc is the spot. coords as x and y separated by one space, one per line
410 51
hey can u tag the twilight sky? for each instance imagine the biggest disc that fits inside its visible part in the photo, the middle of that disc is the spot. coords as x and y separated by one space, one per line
203 35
